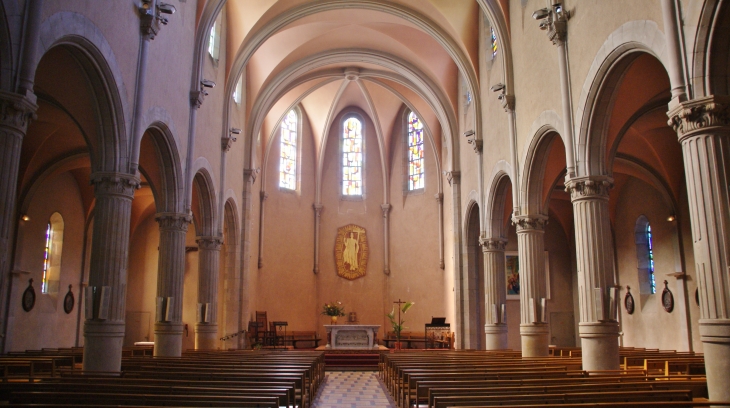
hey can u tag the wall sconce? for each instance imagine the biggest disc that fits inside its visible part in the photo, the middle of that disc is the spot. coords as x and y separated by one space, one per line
671 218
25 218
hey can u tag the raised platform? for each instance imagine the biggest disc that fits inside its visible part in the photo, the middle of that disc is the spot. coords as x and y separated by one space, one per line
352 359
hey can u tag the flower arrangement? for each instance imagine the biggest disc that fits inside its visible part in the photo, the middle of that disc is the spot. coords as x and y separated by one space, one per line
333 309
399 324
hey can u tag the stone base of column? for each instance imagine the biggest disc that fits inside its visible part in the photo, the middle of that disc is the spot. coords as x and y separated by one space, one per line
599 342
206 336
103 345
535 340
168 339
496 336
715 336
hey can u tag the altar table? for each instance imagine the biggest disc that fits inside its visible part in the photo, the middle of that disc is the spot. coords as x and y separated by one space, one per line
352 336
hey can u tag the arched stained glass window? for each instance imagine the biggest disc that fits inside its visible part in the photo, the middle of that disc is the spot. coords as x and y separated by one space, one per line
415 153
493 41
52 254
288 155
650 243
352 177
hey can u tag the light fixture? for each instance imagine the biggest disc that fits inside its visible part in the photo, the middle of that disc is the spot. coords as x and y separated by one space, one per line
498 87
469 133
236 131
207 83
541 14
25 218
166 8
671 218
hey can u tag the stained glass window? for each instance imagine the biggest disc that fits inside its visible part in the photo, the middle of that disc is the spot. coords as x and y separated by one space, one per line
288 156
493 41
650 243
352 157
46 259
415 153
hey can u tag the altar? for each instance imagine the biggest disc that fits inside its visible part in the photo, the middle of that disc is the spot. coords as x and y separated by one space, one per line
352 336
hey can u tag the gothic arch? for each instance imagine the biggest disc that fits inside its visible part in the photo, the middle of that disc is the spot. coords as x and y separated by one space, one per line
533 176
7 65
169 192
496 199
620 49
81 37
204 213
711 70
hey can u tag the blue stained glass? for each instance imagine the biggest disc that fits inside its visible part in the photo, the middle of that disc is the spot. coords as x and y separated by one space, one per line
652 279
493 42
46 259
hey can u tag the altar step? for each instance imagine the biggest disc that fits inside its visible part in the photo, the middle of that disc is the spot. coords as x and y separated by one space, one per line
351 362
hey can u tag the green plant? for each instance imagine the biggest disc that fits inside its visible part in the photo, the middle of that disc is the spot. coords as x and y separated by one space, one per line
333 309
399 324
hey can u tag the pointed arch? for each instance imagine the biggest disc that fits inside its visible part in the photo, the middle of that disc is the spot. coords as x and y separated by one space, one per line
496 200
203 203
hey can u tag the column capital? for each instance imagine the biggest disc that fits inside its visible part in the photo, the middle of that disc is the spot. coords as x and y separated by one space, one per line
386 209
439 197
16 111
209 243
197 97
173 221
530 222
699 115
263 195
250 175
508 102
227 142
453 177
120 184
317 209
591 187
555 22
492 244
151 19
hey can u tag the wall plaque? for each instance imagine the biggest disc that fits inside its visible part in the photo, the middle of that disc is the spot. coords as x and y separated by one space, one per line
351 251
667 298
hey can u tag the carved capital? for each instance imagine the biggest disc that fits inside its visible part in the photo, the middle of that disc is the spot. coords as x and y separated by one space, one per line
119 184
592 187
508 102
250 175
492 244
698 115
317 209
197 97
173 221
17 111
263 196
439 197
148 23
227 142
558 31
209 243
386 209
530 222
453 177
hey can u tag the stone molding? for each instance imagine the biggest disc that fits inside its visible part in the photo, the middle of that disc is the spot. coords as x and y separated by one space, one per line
508 102
209 243
591 187
119 184
250 174
492 244
173 221
530 222
386 209
16 111
696 115
453 177
263 196
439 197
227 142
197 98
317 209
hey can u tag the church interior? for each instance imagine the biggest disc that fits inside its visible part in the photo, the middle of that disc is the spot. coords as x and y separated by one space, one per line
200 175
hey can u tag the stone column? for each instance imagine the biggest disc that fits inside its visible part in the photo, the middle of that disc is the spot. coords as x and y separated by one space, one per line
16 112
317 218
495 325
386 237
104 329
206 328
263 196
440 201
170 276
533 325
703 127
597 297
454 179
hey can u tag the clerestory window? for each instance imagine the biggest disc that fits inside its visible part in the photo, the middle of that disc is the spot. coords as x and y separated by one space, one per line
352 157
415 154
288 151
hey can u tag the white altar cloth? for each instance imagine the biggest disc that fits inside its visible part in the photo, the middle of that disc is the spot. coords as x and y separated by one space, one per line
352 336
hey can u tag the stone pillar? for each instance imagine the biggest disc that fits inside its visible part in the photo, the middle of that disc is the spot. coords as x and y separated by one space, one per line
440 201
104 330
703 127
495 325
16 112
597 297
206 328
317 218
533 326
263 196
170 276
386 237
454 179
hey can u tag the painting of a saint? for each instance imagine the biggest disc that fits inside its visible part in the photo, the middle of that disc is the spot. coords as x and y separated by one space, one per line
512 272
351 251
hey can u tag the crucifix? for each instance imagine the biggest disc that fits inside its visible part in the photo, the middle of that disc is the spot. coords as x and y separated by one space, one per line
399 302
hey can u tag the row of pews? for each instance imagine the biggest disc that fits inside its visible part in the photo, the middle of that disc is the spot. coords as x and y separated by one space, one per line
246 378
647 378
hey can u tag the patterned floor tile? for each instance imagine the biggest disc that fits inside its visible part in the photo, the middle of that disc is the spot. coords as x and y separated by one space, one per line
352 389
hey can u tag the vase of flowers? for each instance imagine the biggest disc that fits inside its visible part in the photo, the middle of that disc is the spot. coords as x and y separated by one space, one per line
333 310
398 324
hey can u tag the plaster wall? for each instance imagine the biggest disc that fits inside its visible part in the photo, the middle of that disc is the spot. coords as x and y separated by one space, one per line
47 325
142 280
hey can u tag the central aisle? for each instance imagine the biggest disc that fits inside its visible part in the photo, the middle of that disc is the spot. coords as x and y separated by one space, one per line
352 389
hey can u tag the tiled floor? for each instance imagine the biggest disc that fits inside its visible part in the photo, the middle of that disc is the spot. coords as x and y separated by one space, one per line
352 389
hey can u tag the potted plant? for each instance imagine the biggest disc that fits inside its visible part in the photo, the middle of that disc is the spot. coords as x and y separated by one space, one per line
333 310
398 324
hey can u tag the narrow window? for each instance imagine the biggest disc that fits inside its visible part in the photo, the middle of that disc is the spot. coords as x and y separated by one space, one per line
52 254
650 254
238 91
352 178
214 40
288 155
415 153
493 42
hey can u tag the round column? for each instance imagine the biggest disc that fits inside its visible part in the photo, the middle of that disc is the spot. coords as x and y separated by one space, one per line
494 294
598 327
533 325
104 330
170 275
703 127
206 328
